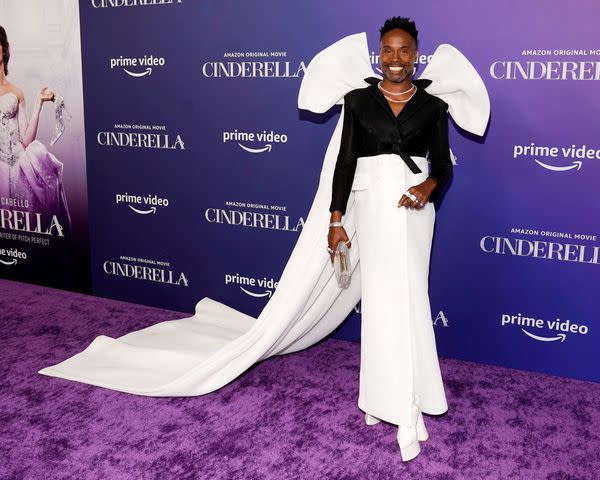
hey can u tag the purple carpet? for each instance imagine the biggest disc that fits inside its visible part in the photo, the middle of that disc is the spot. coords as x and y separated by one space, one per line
290 417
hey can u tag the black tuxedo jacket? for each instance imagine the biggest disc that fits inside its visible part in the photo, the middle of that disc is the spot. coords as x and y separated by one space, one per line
371 128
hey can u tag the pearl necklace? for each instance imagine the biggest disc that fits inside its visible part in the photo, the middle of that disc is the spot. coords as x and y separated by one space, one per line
400 101
392 93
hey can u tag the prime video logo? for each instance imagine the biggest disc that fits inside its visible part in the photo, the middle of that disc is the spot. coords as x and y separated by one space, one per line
144 204
265 139
545 156
137 66
248 284
545 330
14 254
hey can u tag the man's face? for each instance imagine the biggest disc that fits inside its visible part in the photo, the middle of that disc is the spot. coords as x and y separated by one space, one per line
397 55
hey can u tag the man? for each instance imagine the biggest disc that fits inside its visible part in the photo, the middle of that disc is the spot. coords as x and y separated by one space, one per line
379 158
389 128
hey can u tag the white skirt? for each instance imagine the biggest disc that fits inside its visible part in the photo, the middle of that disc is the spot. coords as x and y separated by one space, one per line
398 351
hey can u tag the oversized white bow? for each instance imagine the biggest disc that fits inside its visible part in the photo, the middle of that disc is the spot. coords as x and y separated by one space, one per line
343 66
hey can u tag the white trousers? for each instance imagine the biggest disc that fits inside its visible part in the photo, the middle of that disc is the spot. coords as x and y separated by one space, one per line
398 351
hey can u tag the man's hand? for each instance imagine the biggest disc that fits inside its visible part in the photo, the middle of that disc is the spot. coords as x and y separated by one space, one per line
335 236
419 195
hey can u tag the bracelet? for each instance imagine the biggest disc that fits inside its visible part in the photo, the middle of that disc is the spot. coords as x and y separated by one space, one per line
336 224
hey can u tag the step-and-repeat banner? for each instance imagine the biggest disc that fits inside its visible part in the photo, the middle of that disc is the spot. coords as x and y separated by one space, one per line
201 169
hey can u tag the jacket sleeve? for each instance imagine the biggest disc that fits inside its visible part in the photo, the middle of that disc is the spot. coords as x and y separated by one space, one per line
439 150
345 166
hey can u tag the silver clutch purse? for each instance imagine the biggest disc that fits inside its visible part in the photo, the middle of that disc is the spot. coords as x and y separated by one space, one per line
342 265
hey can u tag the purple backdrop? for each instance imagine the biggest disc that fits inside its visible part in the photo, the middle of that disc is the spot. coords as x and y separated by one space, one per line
202 169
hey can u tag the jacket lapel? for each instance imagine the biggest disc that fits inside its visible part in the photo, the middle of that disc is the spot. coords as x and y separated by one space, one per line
411 107
382 102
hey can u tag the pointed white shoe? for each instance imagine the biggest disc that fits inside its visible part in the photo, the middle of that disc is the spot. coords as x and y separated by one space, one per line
371 420
408 439
422 433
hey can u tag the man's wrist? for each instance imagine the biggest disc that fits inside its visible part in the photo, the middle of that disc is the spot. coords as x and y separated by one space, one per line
431 183
336 216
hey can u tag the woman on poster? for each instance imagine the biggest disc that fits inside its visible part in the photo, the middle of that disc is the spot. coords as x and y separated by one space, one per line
30 176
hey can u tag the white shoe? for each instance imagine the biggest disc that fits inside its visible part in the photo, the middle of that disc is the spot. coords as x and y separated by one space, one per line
371 420
407 437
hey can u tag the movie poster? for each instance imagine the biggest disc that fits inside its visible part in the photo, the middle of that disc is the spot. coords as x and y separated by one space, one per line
44 235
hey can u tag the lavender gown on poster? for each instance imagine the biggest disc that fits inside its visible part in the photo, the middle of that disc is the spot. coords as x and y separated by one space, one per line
30 175
199 354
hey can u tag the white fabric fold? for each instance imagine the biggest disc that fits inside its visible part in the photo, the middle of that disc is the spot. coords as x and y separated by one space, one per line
335 71
455 80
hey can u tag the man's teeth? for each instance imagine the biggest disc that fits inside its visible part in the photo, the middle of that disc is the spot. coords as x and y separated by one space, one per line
396 69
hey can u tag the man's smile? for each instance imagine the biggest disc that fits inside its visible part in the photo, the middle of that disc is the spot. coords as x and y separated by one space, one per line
394 69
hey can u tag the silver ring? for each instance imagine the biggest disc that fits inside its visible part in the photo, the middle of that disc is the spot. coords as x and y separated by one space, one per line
329 249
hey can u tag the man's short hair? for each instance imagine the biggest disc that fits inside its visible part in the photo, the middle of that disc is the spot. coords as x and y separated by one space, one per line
403 23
